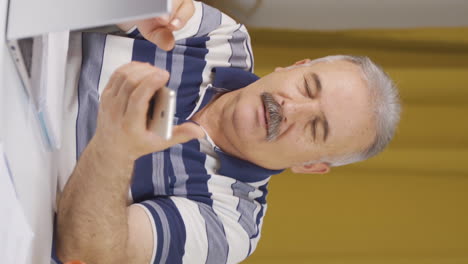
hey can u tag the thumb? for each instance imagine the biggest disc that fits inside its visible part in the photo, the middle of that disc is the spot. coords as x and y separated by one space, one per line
162 37
156 32
186 132
182 15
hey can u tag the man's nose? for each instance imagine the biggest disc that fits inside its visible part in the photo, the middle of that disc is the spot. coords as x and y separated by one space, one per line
298 110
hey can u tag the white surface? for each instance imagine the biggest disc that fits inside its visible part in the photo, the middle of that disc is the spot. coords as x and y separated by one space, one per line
31 166
15 234
66 163
3 14
48 82
34 17
340 14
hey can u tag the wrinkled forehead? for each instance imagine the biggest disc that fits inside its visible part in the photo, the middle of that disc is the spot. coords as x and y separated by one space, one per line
346 102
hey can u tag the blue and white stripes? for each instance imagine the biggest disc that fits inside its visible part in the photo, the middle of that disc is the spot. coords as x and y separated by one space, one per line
88 99
205 205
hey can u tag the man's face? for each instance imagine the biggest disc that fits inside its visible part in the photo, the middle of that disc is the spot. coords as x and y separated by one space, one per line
303 113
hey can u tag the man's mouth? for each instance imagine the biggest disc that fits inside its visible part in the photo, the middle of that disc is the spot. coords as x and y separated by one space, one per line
266 115
273 115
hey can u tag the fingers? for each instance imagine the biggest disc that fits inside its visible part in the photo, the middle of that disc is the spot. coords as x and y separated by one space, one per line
113 85
180 134
130 85
124 119
159 30
182 15
161 36
138 101
134 76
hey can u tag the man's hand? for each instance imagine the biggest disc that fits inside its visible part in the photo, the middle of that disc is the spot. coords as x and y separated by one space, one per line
93 211
122 120
159 30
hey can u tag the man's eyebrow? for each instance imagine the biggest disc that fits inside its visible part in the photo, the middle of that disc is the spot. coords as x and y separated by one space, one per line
318 83
326 128
323 118
314 128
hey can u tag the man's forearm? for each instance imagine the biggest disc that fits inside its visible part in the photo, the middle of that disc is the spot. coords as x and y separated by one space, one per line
92 211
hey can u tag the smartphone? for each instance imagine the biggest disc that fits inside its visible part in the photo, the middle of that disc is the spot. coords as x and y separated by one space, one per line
161 112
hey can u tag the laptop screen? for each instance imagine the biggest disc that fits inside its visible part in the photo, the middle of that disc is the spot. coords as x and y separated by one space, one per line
58 15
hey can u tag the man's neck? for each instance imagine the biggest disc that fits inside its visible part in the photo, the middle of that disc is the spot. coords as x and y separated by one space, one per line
211 118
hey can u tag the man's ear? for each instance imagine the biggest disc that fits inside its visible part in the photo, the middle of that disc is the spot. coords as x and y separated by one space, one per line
304 61
297 63
316 168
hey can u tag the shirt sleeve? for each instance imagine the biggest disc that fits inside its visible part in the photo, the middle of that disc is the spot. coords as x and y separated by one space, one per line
168 228
187 231
181 232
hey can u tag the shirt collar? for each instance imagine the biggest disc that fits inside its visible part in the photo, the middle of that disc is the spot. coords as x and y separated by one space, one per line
226 80
232 78
242 170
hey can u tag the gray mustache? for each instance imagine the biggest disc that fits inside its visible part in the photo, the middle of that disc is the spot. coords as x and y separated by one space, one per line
275 113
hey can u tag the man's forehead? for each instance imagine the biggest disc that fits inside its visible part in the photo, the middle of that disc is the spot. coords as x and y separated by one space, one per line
345 99
335 65
341 73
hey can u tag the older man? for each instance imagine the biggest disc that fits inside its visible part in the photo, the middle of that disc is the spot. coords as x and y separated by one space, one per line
200 197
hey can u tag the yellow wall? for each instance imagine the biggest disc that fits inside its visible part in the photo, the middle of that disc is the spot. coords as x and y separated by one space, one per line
409 204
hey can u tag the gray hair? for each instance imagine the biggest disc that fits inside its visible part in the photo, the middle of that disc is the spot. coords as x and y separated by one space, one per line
386 108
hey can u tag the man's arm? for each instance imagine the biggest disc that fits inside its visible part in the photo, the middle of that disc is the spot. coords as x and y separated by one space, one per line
95 223
92 212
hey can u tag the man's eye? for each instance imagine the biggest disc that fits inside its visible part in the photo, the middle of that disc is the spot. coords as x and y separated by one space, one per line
307 89
313 128
309 93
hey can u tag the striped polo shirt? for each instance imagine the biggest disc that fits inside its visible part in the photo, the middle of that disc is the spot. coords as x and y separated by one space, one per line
205 205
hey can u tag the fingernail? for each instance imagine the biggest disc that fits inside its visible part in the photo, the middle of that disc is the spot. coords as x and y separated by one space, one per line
176 22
